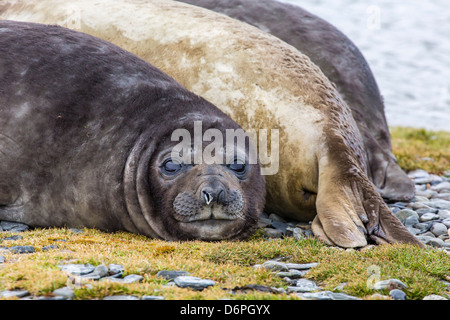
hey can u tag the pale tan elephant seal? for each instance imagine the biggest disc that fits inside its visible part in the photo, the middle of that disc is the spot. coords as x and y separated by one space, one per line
262 83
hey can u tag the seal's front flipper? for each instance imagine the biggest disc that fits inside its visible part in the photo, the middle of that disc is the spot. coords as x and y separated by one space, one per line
337 221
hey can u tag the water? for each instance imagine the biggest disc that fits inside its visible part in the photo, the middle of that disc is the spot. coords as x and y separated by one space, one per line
407 45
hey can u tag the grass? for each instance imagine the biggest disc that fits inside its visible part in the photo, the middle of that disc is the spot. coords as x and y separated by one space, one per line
421 149
230 263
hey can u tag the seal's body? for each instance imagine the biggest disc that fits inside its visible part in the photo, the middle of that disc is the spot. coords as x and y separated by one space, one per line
342 62
262 83
85 140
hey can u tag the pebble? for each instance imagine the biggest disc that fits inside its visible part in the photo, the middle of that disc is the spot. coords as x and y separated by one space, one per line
121 297
65 292
77 269
13 226
438 229
326 295
2 259
131 278
14 293
389 284
194 283
21 249
275 266
170 275
434 297
303 285
292 274
397 294
428 217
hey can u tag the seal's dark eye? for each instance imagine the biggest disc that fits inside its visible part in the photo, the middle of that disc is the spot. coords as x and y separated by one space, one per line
171 167
238 167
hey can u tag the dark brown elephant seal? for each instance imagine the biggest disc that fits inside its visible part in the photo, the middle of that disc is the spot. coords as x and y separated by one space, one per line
342 62
262 83
85 140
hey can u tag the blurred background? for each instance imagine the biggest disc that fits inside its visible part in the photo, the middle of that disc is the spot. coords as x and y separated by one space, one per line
407 45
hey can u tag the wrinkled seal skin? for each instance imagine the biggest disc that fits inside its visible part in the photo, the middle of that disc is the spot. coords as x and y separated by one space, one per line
261 82
342 62
85 130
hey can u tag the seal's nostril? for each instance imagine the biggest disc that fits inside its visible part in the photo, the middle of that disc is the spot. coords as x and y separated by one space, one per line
208 197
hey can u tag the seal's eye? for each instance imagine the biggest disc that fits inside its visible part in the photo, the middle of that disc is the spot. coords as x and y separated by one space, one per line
170 167
238 167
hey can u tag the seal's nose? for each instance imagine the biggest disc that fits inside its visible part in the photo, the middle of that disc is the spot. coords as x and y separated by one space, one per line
212 194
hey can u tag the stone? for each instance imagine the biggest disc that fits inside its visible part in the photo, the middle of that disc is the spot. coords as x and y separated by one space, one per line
75 230
443 196
444 214
275 266
170 275
279 225
301 266
272 233
152 298
418 173
438 204
389 284
77 269
402 215
100 271
21 249
115 269
121 297
50 247
13 238
14 293
438 229
66 292
275 217
2 259
194 283
326 295
264 222
411 221
446 222
304 285
397 294
13 226
428 217
434 297
445 185
292 274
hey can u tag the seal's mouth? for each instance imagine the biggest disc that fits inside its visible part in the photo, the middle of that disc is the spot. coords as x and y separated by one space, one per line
212 229
188 209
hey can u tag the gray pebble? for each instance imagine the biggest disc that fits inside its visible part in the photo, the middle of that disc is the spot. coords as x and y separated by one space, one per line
389 284
21 249
13 226
121 297
75 230
272 233
434 297
2 259
428 217
77 269
275 217
438 204
293 274
402 215
152 298
443 196
446 222
115 269
445 185
327 295
444 214
193 282
301 266
14 293
170 275
397 294
438 229
64 292
50 247
275 265
100 271
13 238
418 173
304 285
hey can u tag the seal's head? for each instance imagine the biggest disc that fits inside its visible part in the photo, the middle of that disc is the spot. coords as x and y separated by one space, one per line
201 194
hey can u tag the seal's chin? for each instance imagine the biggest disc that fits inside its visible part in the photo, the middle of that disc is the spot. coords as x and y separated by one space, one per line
212 229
